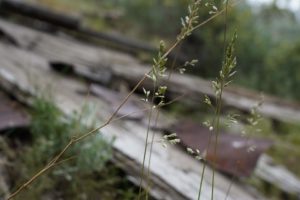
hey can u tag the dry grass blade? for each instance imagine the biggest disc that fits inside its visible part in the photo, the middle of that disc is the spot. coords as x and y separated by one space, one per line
74 140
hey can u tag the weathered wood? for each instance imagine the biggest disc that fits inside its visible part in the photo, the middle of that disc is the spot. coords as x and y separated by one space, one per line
91 58
174 174
66 21
94 62
4 179
40 13
277 175
12 115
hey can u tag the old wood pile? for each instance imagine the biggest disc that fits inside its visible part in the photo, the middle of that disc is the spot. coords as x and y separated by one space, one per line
31 61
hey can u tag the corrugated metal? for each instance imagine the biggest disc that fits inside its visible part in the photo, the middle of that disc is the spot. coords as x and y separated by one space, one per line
236 155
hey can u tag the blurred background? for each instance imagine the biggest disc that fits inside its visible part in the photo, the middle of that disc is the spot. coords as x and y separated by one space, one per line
267 49
268 62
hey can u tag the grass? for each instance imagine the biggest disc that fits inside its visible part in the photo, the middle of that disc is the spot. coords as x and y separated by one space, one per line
55 140
285 136
85 175
54 135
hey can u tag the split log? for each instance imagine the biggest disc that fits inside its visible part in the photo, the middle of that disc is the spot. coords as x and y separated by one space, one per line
91 59
174 174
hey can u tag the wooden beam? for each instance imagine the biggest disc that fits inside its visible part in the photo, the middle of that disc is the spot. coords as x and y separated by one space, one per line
40 13
72 23
174 174
277 175
96 60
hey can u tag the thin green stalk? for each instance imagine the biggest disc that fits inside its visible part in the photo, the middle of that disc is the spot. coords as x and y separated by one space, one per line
217 132
204 163
146 142
90 133
225 28
203 171
144 155
201 181
229 188
155 124
219 104
149 161
215 123
216 119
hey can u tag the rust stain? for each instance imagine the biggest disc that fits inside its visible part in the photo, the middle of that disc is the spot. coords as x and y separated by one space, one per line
236 155
12 115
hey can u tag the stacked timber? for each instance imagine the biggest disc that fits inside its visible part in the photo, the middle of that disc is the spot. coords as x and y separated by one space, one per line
91 61
28 59
24 69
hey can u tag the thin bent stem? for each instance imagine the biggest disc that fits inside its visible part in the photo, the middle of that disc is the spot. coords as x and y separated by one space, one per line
201 180
216 119
214 16
146 109
225 28
155 124
72 142
229 188
82 137
146 142
203 171
149 161
214 163
115 112
217 132
145 152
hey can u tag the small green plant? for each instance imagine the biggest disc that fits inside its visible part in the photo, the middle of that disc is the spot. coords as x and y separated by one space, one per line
156 75
85 175
223 80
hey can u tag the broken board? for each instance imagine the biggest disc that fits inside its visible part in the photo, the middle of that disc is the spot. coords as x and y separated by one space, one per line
174 175
92 61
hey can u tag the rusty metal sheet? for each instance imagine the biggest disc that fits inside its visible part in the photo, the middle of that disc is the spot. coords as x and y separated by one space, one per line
236 155
12 115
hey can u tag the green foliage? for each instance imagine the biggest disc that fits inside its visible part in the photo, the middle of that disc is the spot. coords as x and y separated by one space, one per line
266 36
287 143
84 172
259 66
51 131
268 52
283 69
223 80
149 16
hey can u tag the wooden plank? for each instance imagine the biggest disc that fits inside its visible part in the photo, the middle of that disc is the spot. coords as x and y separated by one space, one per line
125 67
69 22
39 12
74 24
277 175
91 58
4 179
12 114
174 174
